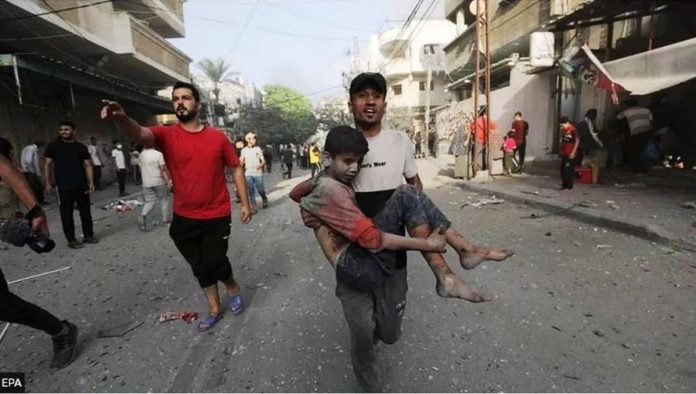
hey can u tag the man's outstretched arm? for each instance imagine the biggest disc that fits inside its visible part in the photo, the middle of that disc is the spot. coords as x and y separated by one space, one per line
131 129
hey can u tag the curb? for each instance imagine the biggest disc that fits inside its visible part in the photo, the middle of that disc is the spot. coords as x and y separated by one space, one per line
587 215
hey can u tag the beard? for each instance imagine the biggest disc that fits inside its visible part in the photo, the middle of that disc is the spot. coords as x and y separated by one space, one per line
66 138
363 124
187 117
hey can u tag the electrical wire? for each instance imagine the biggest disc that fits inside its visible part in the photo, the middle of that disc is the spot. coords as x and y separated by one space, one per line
244 29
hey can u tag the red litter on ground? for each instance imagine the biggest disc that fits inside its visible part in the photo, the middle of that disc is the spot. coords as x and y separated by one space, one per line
188 317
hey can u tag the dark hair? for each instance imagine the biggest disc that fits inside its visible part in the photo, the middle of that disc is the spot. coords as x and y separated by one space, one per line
518 113
591 113
564 119
67 123
345 139
194 91
511 133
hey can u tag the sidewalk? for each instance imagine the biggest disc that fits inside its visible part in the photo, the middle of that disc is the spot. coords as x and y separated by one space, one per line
649 211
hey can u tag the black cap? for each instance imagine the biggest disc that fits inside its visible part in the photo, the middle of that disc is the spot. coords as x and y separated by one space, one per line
375 79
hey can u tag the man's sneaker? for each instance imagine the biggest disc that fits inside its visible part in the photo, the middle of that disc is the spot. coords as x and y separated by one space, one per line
65 346
265 203
90 240
75 245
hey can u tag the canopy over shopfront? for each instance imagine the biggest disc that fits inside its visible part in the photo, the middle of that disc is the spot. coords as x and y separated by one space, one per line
655 70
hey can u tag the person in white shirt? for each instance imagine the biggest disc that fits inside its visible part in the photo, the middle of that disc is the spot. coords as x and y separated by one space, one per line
97 162
30 161
30 158
156 184
253 162
120 167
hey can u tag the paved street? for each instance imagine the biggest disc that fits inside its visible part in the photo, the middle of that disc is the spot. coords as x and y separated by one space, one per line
578 308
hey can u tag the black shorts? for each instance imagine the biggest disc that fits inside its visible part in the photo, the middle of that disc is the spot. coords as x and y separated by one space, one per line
203 243
362 270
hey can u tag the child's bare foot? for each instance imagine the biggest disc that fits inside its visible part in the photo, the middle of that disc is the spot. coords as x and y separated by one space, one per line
453 287
472 258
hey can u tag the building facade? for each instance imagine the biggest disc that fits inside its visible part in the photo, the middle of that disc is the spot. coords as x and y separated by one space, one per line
635 41
59 59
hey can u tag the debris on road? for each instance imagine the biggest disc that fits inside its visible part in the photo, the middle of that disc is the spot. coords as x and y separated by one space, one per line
634 185
689 205
186 316
483 202
122 205
598 333
602 246
571 377
119 330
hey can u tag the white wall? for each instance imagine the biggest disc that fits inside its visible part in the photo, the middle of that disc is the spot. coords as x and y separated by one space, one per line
530 94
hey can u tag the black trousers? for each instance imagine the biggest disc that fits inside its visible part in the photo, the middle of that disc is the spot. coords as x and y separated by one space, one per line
97 177
36 186
15 310
121 175
521 153
203 243
567 172
68 198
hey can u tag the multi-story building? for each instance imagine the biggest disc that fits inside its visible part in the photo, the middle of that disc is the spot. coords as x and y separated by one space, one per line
59 59
412 61
646 46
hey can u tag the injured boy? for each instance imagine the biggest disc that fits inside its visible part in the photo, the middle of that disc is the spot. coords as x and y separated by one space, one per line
360 248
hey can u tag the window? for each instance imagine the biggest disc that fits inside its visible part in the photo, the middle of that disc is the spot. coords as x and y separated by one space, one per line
421 85
397 90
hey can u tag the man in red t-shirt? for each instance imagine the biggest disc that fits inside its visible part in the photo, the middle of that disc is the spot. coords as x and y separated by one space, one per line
196 156
479 132
569 150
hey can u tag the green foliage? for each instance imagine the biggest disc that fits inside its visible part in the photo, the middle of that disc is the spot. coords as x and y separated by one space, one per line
285 118
216 70
334 112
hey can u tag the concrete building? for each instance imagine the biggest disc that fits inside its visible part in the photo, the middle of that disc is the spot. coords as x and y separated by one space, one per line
624 36
59 59
412 61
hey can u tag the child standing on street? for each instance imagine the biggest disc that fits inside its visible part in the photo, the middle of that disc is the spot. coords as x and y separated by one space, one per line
509 147
570 141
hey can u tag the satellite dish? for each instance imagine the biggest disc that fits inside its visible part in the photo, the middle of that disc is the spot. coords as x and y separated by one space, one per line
475 5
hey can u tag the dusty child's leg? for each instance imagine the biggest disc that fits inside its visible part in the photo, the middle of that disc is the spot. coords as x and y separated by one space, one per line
448 284
213 298
470 254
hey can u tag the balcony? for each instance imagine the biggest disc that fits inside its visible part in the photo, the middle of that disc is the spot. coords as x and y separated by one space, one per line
165 17
396 69
393 44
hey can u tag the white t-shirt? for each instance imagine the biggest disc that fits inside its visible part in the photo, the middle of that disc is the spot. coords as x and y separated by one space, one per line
120 160
391 159
30 159
252 158
94 152
151 163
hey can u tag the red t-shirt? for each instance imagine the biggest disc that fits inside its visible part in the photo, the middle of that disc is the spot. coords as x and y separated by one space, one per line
196 162
568 140
333 203
521 128
480 132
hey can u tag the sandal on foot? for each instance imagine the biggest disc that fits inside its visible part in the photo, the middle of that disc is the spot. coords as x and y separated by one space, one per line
209 322
235 303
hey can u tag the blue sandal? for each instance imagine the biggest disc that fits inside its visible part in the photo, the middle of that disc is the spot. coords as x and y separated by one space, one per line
235 303
209 322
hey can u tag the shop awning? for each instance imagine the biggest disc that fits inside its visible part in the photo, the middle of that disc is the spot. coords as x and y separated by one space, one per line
655 70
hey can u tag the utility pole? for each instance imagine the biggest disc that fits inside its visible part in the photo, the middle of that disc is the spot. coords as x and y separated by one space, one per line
476 89
489 161
428 57
480 9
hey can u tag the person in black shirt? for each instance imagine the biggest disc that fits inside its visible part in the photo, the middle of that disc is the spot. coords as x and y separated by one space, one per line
73 177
